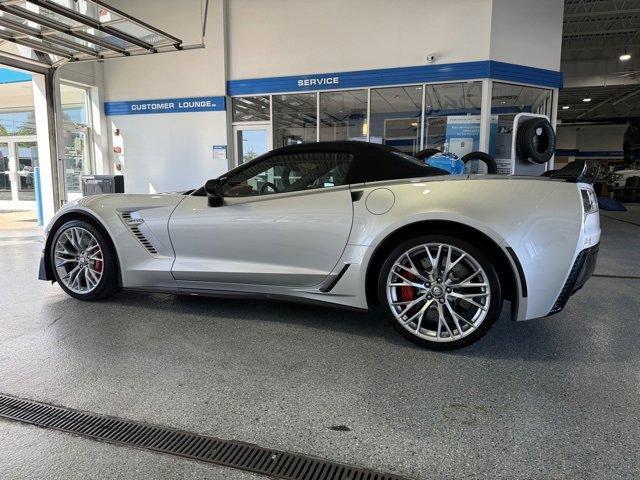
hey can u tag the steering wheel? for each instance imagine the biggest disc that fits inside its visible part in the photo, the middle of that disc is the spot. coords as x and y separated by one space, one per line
266 185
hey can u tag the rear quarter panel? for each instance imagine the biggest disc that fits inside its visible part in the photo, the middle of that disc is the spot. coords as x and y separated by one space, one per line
539 219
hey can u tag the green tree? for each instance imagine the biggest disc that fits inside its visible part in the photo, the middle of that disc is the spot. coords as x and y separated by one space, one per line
28 127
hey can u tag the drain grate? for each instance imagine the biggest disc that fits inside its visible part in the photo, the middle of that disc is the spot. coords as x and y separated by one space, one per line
244 456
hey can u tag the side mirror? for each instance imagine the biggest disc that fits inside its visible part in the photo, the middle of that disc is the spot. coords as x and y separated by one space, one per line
213 189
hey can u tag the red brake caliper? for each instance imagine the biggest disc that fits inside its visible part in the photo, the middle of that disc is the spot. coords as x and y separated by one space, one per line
98 265
407 293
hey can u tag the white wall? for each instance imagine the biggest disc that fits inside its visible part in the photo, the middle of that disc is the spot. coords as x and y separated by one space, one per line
289 37
527 32
166 152
590 138
266 38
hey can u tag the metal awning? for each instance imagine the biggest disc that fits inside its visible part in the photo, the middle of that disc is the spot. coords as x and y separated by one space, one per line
61 31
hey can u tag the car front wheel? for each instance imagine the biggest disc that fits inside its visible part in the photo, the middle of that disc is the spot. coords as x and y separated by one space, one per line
439 291
83 261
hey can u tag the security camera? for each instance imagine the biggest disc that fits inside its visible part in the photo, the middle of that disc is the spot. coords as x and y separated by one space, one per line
431 58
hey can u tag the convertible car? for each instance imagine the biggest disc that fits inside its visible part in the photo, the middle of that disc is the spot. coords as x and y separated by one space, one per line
352 224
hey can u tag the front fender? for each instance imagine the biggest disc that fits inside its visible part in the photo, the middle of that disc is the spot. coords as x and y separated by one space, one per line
139 268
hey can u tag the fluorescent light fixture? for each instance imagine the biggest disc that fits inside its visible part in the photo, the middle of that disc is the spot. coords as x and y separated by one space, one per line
565 107
586 99
625 56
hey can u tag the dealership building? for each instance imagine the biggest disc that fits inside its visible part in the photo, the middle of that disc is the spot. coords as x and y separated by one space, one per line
231 80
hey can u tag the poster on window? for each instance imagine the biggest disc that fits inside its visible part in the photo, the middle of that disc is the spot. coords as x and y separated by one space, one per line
462 135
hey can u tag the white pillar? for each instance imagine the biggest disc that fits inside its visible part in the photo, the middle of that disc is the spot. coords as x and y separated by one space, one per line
485 115
46 158
554 122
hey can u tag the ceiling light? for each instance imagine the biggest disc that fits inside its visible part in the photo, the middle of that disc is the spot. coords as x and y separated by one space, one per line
625 56
565 107
586 99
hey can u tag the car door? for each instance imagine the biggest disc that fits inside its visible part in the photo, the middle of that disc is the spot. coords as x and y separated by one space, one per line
285 221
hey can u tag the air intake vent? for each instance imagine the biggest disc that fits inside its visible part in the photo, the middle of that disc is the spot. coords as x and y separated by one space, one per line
133 224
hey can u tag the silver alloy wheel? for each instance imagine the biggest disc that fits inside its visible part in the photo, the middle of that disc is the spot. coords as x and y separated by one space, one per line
438 292
78 260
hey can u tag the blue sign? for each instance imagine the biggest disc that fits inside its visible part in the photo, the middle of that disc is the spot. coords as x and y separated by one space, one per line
463 134
165 105
398 76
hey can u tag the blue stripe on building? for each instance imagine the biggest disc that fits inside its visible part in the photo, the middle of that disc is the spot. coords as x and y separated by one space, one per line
397 76
165 105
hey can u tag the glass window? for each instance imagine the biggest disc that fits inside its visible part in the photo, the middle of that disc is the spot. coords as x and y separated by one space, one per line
452 117
76 139
290 173
76 157
17 123
74 104
250 109
294 119
395 117
507 100
343 115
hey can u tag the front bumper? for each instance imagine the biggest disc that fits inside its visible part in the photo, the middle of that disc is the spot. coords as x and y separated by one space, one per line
581 271
42 270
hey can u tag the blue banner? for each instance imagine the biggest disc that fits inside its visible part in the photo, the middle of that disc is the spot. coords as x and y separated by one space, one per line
165 105
397 76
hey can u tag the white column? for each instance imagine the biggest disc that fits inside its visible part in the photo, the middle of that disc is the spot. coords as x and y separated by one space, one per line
46 158
554 121
485 115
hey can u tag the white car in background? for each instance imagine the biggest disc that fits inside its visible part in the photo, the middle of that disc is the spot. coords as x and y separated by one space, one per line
352 224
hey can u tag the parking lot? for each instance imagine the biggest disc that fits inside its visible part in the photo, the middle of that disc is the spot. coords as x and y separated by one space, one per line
550 398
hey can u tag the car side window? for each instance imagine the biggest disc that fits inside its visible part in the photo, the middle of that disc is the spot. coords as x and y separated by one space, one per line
290 173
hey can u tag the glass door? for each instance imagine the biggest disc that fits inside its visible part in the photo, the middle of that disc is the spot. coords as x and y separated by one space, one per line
77 160
27 160
18 159
5 173
251 141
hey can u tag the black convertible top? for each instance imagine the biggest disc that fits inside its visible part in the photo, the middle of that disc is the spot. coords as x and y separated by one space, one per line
372 162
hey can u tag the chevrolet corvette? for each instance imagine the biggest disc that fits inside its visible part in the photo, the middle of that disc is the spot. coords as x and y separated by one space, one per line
352 224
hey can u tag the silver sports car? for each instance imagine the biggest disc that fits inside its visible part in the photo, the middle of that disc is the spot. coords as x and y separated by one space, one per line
345 223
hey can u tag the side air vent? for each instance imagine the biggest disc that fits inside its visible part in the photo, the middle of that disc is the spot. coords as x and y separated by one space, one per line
133 224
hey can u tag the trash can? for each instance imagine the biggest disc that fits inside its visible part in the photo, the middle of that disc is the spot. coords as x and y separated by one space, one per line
96 184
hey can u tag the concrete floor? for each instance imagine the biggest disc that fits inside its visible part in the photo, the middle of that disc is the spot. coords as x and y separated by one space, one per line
546 399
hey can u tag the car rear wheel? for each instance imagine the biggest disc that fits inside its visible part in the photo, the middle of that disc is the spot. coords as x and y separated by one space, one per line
439 291
83 261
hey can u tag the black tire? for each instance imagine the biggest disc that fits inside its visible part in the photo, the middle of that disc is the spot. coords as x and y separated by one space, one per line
536 140
426 153
492 166
108 283
495 297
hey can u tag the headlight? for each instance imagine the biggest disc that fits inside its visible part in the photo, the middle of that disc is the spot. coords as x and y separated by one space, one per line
589 200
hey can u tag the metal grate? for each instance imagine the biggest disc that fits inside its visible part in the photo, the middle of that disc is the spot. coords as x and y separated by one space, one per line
243 456
126 216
